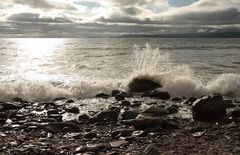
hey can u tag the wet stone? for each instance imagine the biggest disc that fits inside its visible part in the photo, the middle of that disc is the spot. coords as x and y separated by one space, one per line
9 106
157 111
58 117
69 101
129 114
125 103
115 92
56 127
73 110
102 95
90 135
89 148
120 97
236 112
136 103
83 117
157 94
52 111
151 150
116 144
139 133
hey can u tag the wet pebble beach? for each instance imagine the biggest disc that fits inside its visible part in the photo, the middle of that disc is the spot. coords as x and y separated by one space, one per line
151 123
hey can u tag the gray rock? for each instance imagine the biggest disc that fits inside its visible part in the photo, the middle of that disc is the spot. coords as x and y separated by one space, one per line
116 144
121 133
129 114
139 133
125 103
151 150
110 114
52 111
136 103
55 127
90 135
156 111
90 148
150 123
172 109
209 108
73 110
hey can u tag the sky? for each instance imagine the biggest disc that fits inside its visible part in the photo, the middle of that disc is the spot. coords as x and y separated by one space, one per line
102 18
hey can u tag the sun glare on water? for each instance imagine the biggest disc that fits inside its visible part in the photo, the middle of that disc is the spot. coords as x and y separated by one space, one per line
34 55
37 47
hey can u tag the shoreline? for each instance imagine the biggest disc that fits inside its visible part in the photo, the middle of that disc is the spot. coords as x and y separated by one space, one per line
126 125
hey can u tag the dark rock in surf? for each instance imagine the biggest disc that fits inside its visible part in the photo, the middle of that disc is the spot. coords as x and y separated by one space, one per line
235 113
17 99
102 95
73 110
3 117
69 101
115 92
52 111
120 96
209 108
125 103
190 101
9 106
157 94
138 85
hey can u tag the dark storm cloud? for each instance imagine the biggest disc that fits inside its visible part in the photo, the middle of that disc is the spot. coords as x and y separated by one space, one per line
35 18
226 16
44 4
116 17
131 10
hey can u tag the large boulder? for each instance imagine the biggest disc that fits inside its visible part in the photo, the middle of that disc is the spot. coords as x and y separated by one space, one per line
138 85
209 107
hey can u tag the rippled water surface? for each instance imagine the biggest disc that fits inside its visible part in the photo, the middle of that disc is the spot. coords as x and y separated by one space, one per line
81 67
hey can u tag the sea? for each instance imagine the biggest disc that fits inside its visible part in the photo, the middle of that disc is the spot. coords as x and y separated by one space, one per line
42 69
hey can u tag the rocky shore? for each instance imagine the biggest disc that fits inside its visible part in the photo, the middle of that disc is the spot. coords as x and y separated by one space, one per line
149 123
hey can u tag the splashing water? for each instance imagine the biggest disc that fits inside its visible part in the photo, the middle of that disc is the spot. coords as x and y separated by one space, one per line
179 80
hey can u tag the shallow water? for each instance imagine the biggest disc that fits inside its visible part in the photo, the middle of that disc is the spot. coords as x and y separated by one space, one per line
43 69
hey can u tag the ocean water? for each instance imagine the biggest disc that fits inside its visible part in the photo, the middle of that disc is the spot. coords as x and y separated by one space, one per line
43 69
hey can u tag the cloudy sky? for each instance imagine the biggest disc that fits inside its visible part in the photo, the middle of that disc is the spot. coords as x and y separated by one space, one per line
89 18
